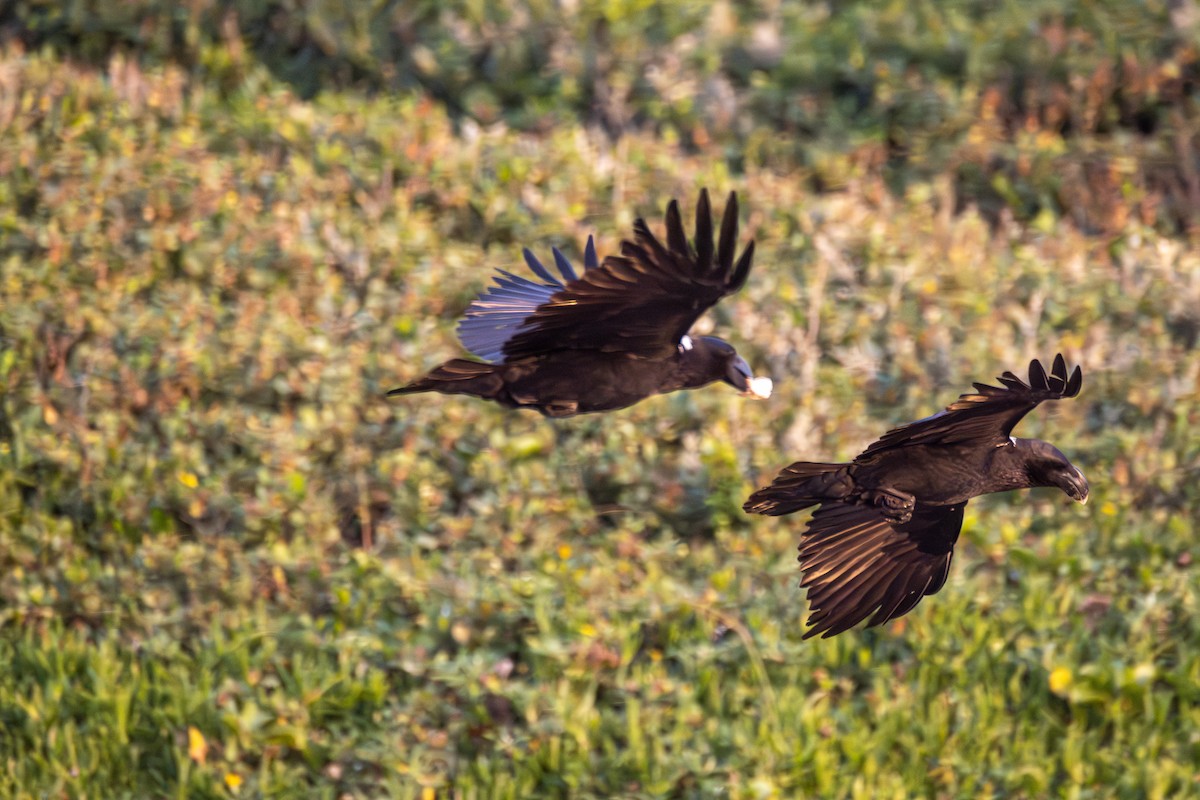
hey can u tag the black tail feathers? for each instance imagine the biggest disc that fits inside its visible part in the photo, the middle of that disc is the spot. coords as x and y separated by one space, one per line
458 376
799 486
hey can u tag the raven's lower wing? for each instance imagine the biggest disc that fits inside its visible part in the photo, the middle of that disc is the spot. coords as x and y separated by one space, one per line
856 564
500 311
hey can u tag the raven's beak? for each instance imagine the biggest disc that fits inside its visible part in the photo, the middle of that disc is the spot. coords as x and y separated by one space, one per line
742 379
1076 486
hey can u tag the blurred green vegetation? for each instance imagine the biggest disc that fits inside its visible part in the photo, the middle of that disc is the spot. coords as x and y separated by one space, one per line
1084 109
229 567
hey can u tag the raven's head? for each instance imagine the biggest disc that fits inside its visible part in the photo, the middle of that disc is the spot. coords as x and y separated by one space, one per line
1047 466
707 359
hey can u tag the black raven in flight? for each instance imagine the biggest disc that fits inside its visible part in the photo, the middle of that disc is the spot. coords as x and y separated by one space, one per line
610 337
884 534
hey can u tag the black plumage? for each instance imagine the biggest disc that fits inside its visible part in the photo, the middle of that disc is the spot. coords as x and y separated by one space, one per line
885 531
610 337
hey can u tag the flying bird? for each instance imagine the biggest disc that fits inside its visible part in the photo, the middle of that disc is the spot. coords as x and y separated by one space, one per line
610 337
885 531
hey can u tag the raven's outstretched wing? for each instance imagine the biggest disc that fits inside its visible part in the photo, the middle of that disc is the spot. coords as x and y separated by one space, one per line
641 302
494 316
987 416
856 564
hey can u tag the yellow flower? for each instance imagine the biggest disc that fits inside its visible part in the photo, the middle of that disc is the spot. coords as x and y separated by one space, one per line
233 780
197 747
187 478
1061 680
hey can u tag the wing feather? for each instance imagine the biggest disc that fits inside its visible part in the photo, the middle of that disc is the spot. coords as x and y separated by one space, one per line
704 232
987 416
534 264
564 266
644 300
589 255
855 564
676 238
727 241
500 311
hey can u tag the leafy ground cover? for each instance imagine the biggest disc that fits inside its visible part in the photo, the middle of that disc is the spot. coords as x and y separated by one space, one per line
229 567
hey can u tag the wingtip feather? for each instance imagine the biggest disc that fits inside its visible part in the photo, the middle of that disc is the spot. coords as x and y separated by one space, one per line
590 260
1037 377
741 270
727 242
1060 367
1074 383
534 264
676 237
564 266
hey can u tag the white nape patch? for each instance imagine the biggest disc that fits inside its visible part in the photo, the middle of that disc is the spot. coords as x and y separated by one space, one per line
685 343
760 387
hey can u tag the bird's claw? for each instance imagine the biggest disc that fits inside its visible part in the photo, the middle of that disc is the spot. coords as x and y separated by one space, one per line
896 507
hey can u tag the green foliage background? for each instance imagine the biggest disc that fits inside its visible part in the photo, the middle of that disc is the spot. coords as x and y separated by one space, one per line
229 567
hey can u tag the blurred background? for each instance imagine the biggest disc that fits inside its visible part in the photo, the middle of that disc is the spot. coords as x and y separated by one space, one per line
230 567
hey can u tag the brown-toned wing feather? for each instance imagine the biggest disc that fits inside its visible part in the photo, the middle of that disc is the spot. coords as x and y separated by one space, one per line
643 301
856 564
987 415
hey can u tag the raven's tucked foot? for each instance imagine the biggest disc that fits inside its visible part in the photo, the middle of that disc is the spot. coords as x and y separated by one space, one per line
896 506
560 408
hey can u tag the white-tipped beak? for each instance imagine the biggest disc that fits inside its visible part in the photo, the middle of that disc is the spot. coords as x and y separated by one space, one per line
1081 489
759 387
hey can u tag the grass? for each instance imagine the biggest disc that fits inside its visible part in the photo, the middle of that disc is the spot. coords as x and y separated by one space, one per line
229 567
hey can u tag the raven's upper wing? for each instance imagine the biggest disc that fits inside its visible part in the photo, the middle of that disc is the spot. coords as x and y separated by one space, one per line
643 301
987 416
856 564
